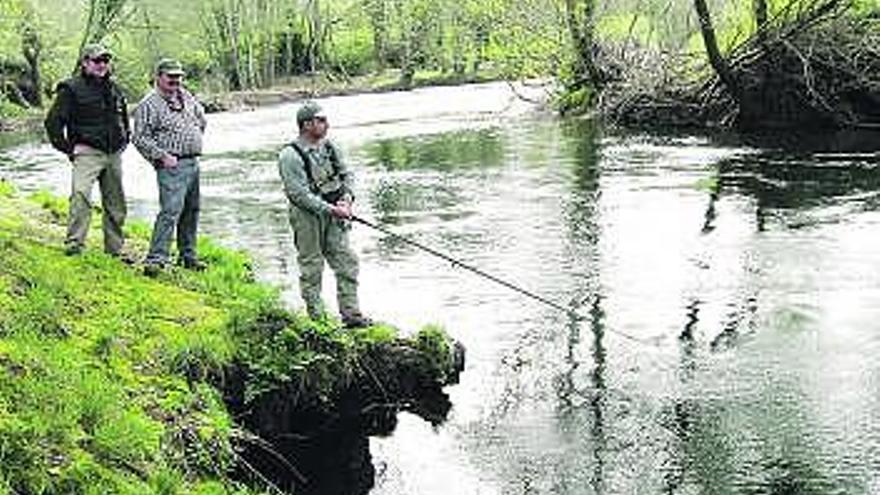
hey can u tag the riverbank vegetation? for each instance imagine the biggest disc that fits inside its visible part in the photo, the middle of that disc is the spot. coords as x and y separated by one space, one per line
235 45
761 63
111 382
793 64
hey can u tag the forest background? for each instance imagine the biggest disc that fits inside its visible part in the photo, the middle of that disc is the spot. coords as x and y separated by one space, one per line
588 46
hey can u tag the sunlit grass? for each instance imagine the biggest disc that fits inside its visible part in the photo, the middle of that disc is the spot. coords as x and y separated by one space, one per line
109 379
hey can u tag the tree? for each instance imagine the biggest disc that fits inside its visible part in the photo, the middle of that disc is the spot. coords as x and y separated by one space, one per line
104 18
716 60
315 33
581 25
31 49
377 11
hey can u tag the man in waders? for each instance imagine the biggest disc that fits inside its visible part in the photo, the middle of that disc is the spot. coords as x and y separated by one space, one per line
318 185
168 127
88 122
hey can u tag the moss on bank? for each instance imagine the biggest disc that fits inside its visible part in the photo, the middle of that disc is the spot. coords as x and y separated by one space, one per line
111 382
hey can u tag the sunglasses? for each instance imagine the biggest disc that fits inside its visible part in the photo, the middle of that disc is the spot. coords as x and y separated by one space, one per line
100 60
173 79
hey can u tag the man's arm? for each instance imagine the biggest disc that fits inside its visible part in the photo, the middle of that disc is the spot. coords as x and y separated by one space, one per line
126 125
345 173
58 119
296 186
142 138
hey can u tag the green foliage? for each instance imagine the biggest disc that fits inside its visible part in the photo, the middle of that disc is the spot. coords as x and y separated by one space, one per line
866 7
13 12
9 109
227 44
102 372
433 342
7 189
630 27
576 100
55 205
707 184
107 378
281 348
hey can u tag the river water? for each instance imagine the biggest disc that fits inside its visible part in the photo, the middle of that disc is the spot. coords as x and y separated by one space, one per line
731 293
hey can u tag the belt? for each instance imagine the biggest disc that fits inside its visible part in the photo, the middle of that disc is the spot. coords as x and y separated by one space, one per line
188 157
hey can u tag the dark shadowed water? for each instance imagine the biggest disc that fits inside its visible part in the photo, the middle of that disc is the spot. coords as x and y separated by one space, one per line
750 276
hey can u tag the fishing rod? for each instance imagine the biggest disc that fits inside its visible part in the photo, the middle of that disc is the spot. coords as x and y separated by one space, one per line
455 262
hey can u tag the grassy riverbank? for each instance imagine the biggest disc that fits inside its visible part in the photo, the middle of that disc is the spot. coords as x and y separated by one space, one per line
112 382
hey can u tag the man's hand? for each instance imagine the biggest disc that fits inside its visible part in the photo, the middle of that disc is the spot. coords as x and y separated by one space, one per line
342 209
79 149
168 161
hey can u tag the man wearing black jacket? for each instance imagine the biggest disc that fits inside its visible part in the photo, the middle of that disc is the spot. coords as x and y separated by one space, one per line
88 122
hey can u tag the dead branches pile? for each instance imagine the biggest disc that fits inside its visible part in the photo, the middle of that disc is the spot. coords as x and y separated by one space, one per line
819 69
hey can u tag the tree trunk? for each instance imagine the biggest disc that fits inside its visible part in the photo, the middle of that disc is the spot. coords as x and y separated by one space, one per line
408 69
719 64
760 7
31 47
269 52
288 40
233 24
580 14
376 10
313 18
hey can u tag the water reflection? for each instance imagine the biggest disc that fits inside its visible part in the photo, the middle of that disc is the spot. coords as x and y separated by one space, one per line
597 401
445 152
787 189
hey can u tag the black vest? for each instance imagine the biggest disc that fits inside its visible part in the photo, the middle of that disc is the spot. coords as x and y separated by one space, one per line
98 113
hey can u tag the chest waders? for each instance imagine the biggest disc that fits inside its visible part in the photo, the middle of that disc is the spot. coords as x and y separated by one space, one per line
319 238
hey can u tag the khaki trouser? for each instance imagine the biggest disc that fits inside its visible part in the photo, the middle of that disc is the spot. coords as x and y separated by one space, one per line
90 165
320 237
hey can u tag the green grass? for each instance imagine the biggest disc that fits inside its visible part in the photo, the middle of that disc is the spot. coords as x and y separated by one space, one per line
97 362
108 378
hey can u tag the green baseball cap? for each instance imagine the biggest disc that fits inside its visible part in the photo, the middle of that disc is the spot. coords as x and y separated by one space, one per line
95 50
308 111
169 66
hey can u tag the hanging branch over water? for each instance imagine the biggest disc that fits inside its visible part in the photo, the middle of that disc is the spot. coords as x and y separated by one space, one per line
811 64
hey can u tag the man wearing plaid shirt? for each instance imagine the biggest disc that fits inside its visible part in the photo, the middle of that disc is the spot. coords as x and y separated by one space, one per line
168 128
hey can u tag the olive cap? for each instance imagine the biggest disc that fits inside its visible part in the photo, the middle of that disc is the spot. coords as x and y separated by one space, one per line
308 111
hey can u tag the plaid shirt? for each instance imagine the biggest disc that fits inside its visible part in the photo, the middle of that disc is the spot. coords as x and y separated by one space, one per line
160 129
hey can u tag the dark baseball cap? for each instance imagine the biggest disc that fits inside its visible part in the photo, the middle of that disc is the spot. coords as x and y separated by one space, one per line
169 66
95 50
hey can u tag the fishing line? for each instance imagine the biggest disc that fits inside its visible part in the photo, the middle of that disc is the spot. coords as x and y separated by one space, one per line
458 263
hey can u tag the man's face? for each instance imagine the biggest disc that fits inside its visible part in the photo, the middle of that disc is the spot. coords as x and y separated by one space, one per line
97 66
316 128
169 83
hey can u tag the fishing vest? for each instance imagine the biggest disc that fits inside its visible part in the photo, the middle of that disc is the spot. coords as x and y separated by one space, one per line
99 116
332 196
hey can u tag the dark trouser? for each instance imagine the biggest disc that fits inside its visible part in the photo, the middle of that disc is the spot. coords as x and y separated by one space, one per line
106 168
179 209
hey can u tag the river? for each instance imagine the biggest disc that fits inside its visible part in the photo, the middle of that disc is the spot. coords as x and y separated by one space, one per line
730 292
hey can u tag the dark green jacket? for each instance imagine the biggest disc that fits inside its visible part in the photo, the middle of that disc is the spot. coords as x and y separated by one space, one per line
91 111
